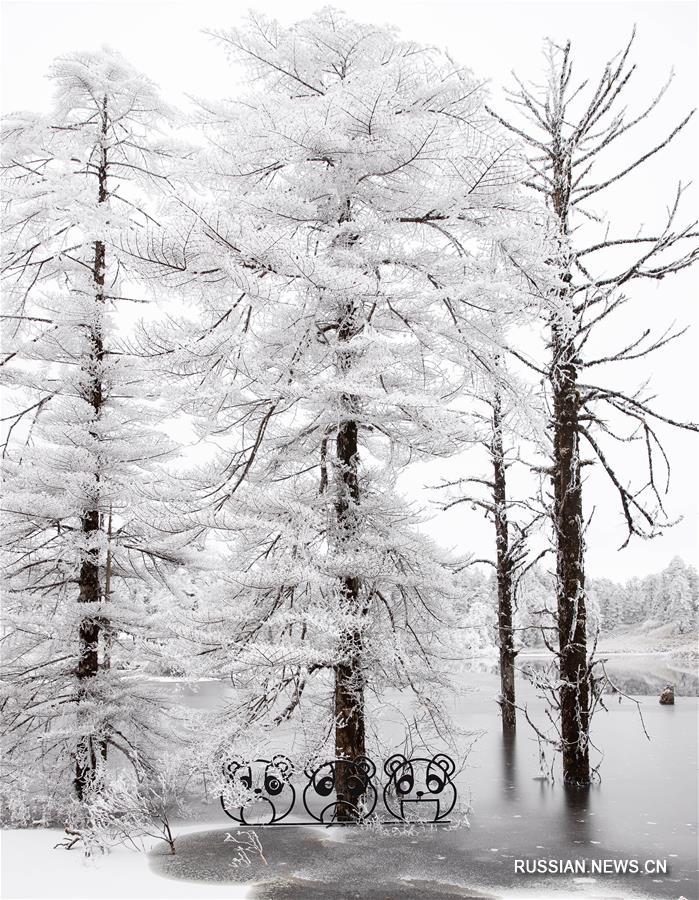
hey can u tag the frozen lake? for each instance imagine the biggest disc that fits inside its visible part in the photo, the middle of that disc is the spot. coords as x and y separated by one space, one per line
643 809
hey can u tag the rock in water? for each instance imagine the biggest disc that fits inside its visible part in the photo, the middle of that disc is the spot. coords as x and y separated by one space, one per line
667 698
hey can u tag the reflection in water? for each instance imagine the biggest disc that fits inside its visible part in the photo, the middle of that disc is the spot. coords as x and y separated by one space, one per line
569 807
509 766
576 813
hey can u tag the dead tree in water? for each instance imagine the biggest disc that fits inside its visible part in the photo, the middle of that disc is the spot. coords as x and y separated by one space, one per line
504 566
568 132
513 521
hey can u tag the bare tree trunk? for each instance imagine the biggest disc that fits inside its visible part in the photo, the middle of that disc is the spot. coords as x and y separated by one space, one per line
88 665
107 633
106 630
504 574
574 694
570 575
90 745
349 677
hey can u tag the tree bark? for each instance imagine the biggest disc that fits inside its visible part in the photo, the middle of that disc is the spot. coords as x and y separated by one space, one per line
90 745
350 733
570 548
574 693
503 574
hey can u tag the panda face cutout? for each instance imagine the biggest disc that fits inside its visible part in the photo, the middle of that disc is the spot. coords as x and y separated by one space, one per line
258 792
320 795
419 788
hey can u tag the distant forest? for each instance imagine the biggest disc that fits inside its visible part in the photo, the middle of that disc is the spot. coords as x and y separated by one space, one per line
667 597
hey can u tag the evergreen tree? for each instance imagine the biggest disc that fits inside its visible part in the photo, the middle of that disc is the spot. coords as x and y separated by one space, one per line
348 261
81 454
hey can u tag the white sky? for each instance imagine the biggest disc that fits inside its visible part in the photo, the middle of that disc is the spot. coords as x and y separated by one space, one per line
165 40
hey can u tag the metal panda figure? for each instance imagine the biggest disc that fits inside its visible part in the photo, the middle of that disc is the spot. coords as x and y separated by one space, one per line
266 788
320 790
420 788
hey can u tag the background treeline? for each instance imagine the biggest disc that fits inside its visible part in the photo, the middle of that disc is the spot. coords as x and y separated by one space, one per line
668 599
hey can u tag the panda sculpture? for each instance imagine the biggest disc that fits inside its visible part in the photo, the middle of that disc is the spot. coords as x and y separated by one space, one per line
320 797
259 792
419 789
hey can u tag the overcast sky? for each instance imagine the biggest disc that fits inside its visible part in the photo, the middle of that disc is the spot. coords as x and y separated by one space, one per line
166 41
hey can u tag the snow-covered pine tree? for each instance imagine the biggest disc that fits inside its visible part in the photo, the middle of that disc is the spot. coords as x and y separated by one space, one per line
534 619
604 594
345 229
81 454
680 605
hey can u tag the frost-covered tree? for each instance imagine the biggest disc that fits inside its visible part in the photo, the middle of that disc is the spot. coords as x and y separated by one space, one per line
507 419
607 596
535 616
650 600
341 251
81 455
569 128
667 598
680 606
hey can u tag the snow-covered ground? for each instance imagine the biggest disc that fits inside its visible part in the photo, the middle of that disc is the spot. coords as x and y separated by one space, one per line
31 868
649 638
